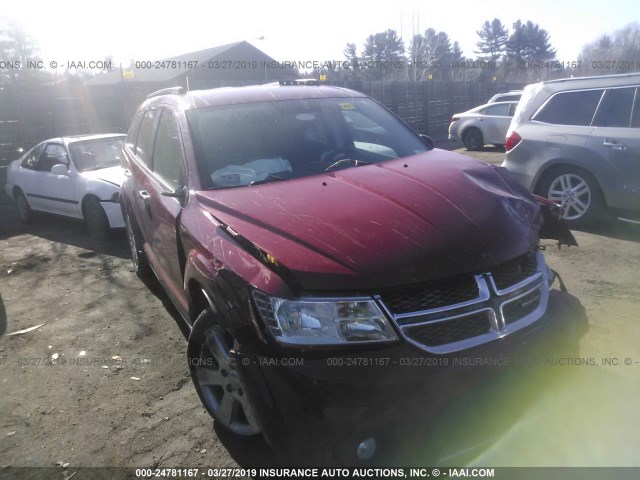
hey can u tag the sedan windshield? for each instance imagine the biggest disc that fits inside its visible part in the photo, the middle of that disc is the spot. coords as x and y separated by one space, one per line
96 153
247 144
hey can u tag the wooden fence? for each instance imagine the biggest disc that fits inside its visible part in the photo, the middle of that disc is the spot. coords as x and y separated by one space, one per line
31 114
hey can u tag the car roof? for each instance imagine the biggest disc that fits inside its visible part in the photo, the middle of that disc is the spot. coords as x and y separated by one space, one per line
490 104
593 82
194 99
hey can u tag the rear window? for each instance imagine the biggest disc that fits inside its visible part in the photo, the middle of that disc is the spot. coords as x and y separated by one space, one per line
501 109
570 108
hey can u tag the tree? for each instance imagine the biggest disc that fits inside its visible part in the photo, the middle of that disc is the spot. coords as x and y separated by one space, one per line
380 48
493 40
527 47
529 42
16 49
383 46
537 45
620 50
430 53
350 53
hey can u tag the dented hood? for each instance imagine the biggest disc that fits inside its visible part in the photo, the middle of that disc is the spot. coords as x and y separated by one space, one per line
399 222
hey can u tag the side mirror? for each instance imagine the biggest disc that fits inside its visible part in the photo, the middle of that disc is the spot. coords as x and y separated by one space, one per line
428 141
60 169
180 193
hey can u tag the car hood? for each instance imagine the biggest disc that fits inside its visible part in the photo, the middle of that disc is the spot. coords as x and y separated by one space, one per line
403 221
112 175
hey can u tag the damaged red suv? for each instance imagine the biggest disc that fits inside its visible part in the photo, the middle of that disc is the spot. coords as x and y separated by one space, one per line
316 247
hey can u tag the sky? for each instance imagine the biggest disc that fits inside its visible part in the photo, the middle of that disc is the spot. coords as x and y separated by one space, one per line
69 30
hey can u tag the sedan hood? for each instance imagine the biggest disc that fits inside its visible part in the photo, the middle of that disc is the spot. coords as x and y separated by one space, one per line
112 175
403 221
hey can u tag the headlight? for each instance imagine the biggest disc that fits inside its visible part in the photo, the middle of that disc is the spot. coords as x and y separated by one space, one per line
323 322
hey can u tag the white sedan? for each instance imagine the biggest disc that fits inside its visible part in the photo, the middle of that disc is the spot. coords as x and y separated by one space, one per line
481 125
77 176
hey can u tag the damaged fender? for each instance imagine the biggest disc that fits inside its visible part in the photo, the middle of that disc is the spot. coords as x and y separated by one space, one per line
553 227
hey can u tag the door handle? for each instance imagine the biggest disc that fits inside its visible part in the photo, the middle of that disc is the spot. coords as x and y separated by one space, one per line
144 195
127 173
614 145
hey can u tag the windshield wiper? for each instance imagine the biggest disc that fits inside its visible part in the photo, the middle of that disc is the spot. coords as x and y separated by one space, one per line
357 163
270 178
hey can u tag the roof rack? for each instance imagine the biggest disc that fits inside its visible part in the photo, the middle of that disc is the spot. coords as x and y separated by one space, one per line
167 91
312 82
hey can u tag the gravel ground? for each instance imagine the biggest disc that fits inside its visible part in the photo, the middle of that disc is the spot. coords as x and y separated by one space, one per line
104 381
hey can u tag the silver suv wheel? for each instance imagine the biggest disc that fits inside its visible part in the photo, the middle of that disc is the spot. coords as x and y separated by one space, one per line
576 191
572 193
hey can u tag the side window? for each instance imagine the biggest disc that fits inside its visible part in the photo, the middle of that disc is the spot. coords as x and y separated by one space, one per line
167 153
570 108
501 110
635 120
512 109
54 154
144 143
615 108
33 160
133 132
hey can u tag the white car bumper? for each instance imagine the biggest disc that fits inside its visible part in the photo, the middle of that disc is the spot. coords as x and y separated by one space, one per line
114 213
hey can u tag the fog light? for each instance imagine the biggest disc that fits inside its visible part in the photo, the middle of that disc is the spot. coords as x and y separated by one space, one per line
366 448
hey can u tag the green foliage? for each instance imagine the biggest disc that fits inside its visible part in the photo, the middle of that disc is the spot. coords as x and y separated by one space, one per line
493 40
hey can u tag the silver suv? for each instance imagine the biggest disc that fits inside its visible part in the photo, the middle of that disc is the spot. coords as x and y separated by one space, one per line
577 142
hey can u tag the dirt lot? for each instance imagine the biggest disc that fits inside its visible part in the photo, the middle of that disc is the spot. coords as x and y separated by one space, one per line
84 409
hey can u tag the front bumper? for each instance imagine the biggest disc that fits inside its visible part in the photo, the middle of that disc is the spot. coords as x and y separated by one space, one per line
335 396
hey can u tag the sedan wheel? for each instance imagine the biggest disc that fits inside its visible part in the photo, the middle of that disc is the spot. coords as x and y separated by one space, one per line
24 210
96 219
472 139
217 379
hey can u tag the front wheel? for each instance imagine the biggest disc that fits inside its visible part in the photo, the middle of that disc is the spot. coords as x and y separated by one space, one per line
577 192
138 257
24 210
217 379
96 219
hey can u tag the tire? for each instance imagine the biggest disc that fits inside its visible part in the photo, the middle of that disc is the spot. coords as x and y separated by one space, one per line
96 219
472 139
24 210
217 380
577 192
138 257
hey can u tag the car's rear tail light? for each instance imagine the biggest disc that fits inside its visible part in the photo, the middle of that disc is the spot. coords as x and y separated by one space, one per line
453 119
512 140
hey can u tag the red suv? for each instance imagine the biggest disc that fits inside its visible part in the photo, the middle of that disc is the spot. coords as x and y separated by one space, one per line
319 250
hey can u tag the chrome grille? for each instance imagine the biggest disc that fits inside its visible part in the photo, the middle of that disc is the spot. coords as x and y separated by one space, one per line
430 295
465 311
515 271
442 332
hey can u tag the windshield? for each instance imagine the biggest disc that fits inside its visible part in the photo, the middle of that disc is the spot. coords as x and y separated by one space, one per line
96 153
240 145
